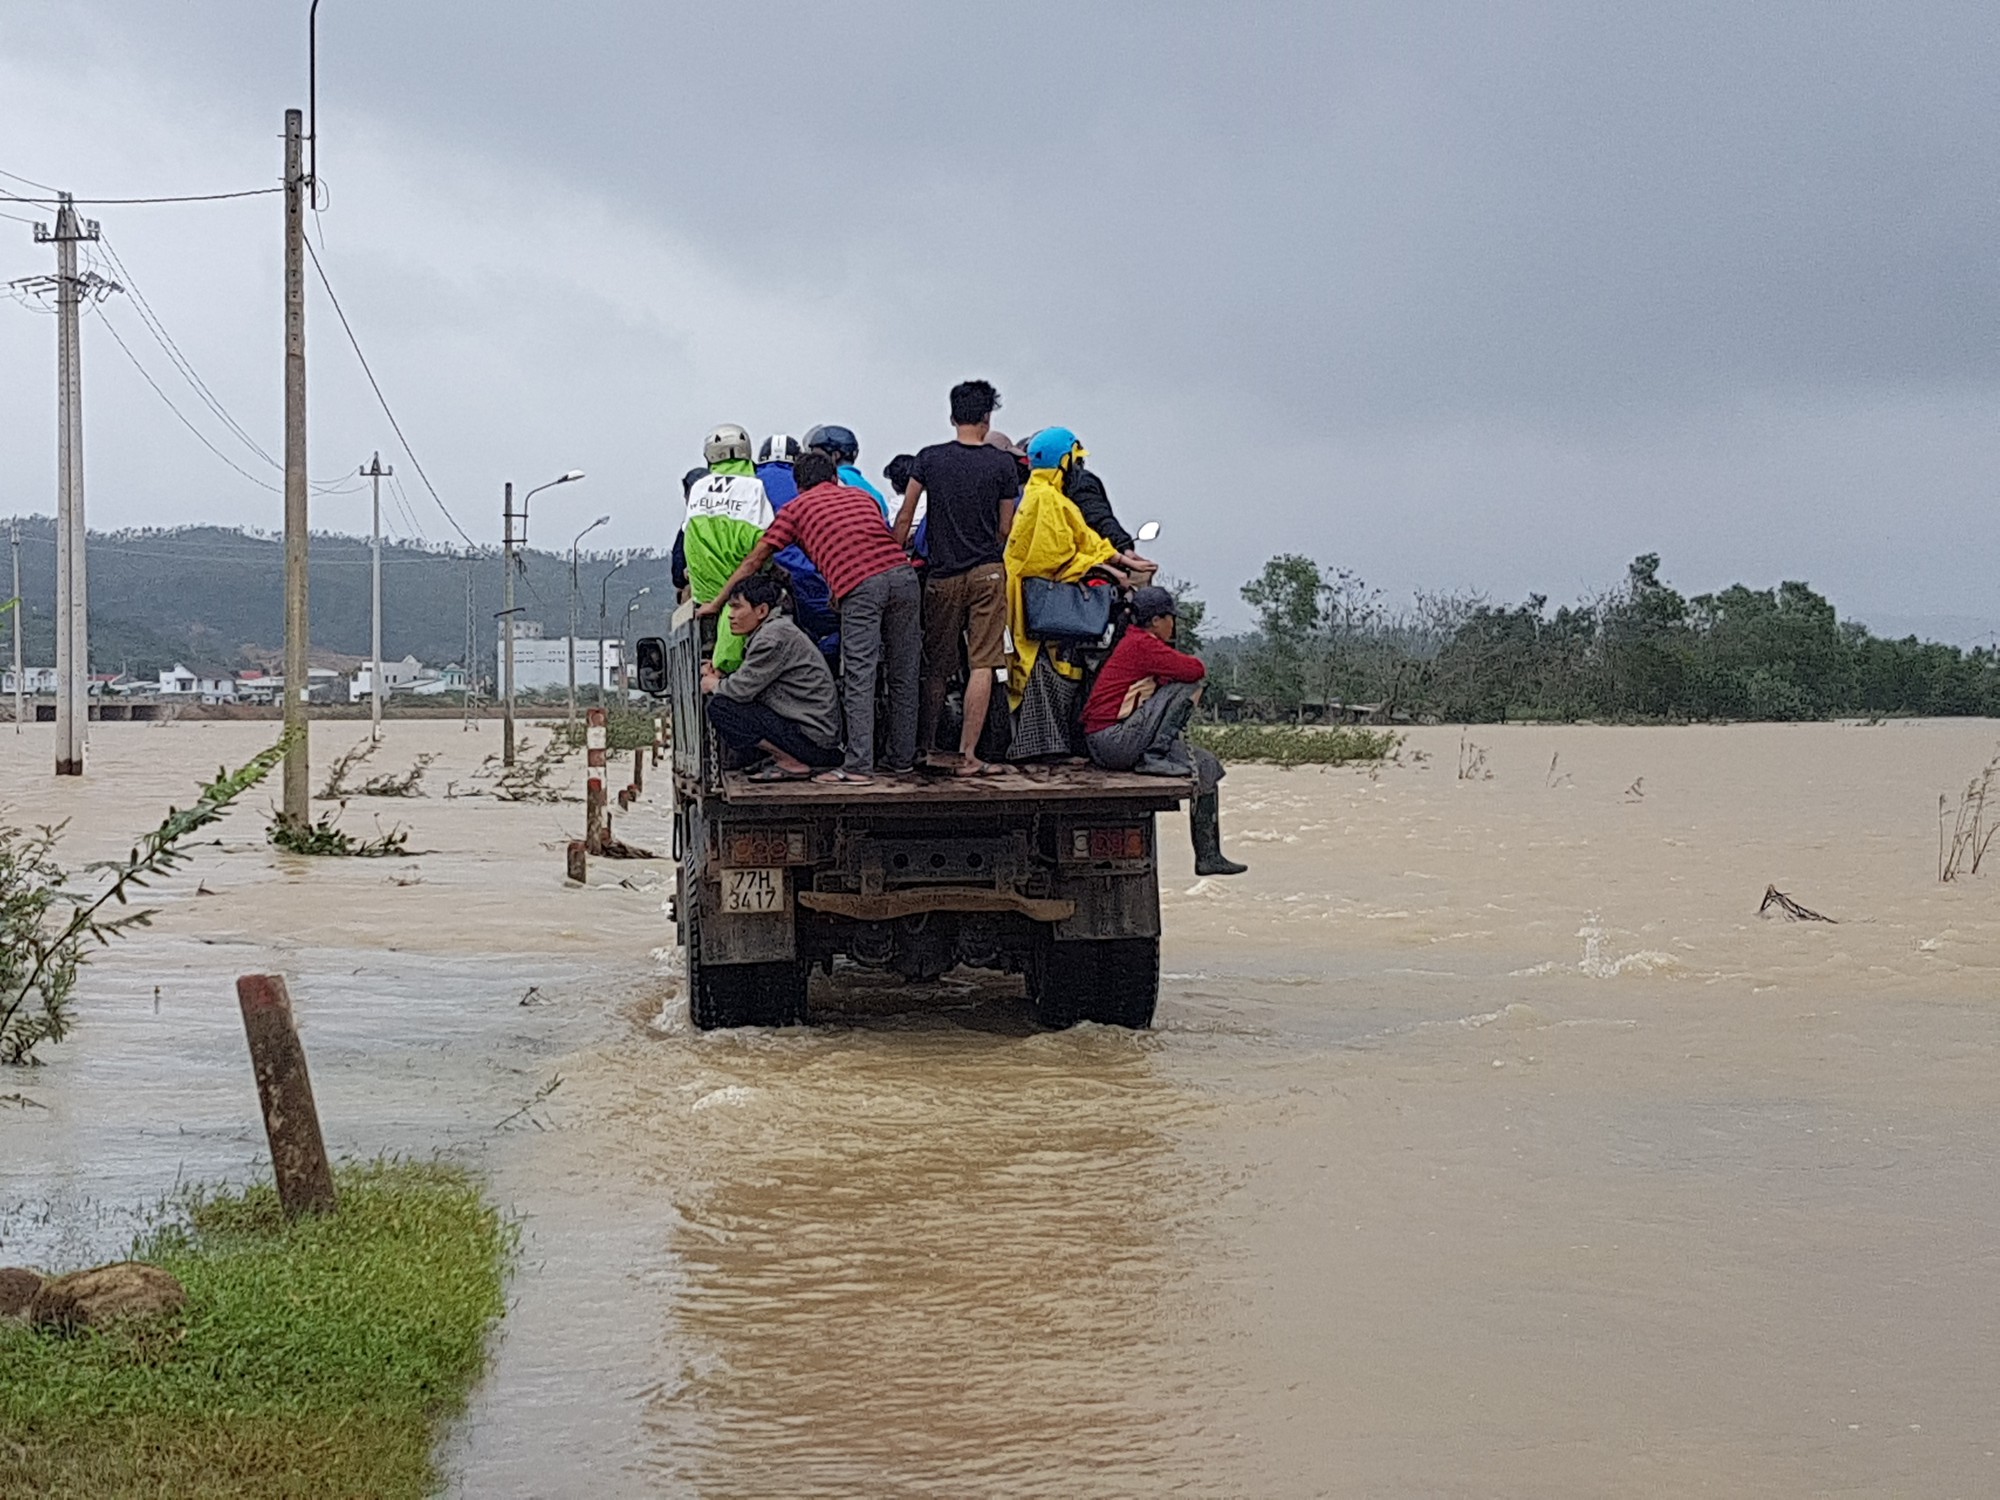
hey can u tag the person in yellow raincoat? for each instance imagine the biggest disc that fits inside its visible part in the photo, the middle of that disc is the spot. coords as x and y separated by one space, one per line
1049 539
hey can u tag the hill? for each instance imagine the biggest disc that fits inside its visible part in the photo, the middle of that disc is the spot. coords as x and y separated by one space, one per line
213 597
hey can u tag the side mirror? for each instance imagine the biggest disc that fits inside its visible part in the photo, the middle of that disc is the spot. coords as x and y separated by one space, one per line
1147 530
649 656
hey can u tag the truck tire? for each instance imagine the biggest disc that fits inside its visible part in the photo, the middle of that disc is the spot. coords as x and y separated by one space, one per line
726 995
1115 982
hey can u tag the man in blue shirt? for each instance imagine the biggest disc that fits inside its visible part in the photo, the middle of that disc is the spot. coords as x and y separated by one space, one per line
844 448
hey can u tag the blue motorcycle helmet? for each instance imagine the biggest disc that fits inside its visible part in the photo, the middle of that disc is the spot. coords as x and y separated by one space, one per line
838 443
1048 448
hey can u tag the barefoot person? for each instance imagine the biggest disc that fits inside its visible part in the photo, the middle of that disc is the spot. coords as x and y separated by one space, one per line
876 596
1137 714
973 489
781 699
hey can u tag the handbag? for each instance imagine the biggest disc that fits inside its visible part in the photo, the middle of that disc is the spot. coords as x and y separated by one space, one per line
1078 612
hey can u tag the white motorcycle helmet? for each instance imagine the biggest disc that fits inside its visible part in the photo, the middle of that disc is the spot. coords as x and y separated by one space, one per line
728 442
778 448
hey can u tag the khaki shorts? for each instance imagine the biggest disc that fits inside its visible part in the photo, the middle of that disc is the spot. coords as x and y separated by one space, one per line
972 605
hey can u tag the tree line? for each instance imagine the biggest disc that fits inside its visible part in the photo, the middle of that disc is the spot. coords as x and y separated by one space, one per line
1640 651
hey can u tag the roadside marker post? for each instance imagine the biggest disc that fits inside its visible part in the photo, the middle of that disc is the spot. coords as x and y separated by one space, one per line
578 866
594 741
284 1090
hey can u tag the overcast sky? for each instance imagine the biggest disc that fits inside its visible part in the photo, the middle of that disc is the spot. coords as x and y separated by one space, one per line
1489 296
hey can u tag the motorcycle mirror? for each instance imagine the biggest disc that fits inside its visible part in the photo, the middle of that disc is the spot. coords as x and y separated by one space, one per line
1147 530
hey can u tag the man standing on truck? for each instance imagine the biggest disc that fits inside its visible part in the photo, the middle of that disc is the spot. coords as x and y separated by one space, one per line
726 513
973 488
781 700
844 448
876 595
1137 715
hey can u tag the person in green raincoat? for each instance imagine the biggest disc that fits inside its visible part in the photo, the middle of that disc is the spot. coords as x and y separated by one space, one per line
726 513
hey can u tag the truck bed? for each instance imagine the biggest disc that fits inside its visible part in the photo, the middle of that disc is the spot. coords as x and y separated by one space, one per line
1055 784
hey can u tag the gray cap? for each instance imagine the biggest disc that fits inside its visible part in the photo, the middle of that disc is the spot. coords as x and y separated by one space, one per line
1149 603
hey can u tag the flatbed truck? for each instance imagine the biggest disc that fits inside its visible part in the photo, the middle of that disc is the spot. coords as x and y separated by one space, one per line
1052 875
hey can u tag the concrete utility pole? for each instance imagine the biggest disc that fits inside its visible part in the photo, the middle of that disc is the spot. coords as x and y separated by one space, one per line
604 626
72 593
471 646
601 520
298 758
507 625
508 544
15 537
377 473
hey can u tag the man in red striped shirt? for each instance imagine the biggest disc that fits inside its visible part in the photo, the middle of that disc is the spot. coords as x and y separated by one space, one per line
876 595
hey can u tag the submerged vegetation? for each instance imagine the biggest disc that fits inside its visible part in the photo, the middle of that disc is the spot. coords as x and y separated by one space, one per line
313 1358
1291 745
48 925
1640 651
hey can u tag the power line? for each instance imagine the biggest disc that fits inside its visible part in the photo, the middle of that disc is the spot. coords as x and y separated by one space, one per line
179 198
200 436
376 385
44 186
165 340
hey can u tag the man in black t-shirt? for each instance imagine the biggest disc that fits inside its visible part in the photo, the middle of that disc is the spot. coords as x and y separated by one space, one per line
973 489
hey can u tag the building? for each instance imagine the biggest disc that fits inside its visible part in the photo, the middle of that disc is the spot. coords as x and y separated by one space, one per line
211 687
397 677
33 680
451 679
542 664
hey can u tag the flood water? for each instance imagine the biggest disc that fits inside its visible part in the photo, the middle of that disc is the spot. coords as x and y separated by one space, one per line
1489 1142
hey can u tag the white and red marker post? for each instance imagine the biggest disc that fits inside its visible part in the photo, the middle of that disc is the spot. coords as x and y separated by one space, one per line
594 741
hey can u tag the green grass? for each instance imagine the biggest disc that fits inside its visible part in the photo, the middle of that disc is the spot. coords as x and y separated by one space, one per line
1290 745
624 729
316 1359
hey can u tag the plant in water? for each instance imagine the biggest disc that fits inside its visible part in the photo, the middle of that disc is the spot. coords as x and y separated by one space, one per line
48 924
1971 834
326 837
528 779
1289 745
389 784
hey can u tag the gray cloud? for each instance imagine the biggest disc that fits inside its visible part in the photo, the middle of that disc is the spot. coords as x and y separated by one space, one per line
1489 295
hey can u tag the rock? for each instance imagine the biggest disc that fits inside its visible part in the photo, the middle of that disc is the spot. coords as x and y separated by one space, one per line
90 1299
18 1286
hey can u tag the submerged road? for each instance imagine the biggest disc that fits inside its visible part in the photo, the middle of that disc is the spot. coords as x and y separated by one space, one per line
1489 1144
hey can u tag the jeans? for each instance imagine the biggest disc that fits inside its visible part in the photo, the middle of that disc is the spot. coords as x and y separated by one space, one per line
881 628
741 726
1151 735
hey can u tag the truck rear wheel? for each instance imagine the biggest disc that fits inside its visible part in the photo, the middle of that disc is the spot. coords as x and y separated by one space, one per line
725 995
1115 982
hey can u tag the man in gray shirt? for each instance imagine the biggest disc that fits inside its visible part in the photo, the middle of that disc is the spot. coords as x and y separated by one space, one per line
781 699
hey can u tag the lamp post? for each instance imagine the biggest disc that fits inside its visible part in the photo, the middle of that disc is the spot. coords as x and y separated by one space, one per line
572 613
604 623
509 516
624 648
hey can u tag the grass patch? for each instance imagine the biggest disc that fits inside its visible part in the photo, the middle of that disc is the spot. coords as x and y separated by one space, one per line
624 729
1291 745
316 1358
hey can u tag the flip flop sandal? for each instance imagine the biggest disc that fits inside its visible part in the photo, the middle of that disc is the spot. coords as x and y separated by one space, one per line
843 778
778 773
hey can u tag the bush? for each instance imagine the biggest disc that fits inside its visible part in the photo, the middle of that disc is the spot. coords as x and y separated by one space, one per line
1288 745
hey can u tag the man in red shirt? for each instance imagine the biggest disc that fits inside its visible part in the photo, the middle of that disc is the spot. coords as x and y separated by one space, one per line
876 594
1138 709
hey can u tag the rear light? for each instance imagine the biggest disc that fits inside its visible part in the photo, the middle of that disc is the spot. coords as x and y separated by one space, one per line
765 847
1107 843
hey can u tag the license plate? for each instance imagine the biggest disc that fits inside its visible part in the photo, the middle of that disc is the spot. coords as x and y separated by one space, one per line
753 890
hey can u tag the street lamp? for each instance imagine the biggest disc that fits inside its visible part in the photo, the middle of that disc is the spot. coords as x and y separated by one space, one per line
624 639
508 516
604 623
572 612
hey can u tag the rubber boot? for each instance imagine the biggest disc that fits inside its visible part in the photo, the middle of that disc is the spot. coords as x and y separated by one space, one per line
1205 825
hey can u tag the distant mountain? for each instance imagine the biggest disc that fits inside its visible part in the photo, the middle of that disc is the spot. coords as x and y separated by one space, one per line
213 597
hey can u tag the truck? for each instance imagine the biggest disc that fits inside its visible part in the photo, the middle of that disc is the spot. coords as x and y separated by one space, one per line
1052 876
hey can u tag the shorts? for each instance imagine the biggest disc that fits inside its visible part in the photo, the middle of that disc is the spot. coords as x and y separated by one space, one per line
972 604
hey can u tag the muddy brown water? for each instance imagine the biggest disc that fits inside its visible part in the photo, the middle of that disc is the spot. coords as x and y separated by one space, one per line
1489 1142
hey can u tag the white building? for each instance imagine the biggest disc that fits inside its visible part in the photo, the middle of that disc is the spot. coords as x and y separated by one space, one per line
33 680
181 683
541 664
397 677
451 679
